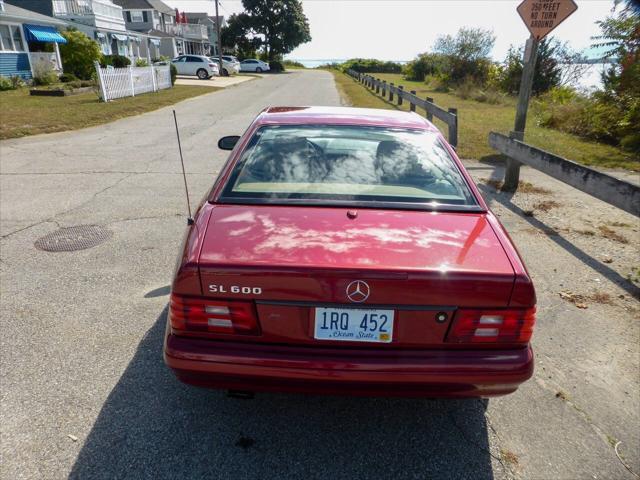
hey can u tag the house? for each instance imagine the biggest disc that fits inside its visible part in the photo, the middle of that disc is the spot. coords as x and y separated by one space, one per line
101 20
27 39
153 17
208 21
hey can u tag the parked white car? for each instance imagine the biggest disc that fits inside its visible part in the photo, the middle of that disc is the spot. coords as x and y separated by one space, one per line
198 65
229 67
253 65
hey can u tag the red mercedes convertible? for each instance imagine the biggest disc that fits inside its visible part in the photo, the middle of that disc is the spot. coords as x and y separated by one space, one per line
347 251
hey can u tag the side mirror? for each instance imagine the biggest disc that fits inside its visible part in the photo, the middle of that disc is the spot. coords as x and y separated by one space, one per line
227 143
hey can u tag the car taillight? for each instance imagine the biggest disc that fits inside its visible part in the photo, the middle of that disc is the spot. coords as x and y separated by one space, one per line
212 65
194 314
492 326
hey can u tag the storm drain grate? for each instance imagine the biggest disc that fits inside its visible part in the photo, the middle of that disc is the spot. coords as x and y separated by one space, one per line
73 238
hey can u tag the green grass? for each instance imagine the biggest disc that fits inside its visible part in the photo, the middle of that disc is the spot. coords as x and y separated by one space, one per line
22 114
476 120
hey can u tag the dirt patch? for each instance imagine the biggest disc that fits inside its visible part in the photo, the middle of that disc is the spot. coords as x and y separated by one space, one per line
546 205
606 232
619 224
588 233
580 300
509 457
601 297
523 187
575 298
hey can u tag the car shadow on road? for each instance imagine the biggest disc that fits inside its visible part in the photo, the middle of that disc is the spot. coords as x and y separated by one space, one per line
152 426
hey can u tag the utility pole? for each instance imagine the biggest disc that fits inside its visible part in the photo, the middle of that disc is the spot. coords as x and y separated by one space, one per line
512 175
219 40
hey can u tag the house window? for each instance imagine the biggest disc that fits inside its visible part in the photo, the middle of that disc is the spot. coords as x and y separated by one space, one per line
11 38
136 16
17 38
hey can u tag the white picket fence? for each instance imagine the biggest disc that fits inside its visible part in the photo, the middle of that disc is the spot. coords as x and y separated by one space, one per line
131 81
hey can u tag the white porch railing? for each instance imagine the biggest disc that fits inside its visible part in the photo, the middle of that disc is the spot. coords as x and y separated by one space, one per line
96 12
193 31
131 81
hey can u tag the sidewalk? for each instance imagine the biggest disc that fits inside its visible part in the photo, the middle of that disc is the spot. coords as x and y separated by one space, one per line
218 82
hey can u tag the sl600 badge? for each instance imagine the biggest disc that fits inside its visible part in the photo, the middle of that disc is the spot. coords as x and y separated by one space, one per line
235 289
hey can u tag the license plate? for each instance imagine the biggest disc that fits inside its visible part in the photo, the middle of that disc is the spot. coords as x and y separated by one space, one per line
354 325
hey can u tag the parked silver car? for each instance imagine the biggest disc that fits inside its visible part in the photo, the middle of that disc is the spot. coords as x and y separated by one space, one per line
254 65
200 65
229 65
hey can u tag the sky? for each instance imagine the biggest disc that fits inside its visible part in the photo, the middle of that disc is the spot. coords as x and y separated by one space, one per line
400 29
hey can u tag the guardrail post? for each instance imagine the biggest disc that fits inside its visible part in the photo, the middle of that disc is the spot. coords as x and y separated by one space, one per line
377 85
429 114
412 106
391 91
512 170
384 88
453 128
401 88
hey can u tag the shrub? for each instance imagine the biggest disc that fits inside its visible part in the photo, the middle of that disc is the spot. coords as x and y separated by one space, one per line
79 53
115 61
80 84
276 66
371 65
484 94
16 81
5 84
174 73
598 116
43 73
141 62
292 64
424 65
68 77
439 82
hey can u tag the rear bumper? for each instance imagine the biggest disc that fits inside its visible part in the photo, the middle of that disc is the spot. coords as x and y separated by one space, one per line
433 373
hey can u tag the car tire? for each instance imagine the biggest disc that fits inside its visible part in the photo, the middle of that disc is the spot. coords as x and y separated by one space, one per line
225 73
202 74
258 70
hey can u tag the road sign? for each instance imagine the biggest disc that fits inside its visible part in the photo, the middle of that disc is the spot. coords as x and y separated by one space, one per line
542 16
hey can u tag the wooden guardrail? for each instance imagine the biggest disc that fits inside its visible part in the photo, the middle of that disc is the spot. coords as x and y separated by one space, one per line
389 90
618 193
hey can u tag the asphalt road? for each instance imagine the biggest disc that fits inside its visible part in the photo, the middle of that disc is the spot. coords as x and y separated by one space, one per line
84 392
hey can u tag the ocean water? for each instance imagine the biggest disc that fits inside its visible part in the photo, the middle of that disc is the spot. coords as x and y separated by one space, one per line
313 63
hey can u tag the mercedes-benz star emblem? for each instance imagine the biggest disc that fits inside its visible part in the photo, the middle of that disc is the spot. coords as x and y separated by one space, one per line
358 291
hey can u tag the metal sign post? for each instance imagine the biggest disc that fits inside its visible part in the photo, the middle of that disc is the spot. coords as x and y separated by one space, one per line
540 17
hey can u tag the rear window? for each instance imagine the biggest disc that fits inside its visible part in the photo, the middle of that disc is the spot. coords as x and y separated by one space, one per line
347 165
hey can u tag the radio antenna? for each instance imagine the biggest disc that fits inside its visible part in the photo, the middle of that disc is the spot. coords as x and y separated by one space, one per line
184 175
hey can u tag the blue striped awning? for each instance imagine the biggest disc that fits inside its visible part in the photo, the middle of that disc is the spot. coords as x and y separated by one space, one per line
42 33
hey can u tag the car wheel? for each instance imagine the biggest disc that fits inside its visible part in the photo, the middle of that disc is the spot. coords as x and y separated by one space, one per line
258 70
202 74
225 73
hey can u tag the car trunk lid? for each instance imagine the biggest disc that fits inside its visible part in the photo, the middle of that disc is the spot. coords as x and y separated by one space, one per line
291 260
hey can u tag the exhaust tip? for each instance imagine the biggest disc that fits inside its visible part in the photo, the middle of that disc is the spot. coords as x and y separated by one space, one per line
240 394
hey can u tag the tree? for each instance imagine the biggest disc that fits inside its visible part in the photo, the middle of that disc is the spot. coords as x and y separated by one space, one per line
620 36
467 53
79 53
237 36
278 26
469 44
548 73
